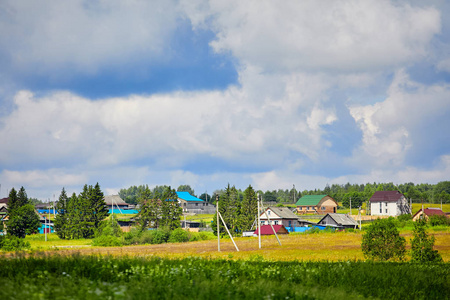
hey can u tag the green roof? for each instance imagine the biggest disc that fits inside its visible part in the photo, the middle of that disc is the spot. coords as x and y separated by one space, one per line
309 200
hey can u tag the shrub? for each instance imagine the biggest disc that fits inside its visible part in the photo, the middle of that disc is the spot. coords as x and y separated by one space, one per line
422 245
404 217
160 236
132 237
179 236
107 241
439 220
13 243
382 241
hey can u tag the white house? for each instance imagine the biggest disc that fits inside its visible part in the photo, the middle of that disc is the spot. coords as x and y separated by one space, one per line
389 203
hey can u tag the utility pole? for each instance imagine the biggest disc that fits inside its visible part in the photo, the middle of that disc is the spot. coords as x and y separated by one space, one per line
218 223
350 205
294 193
259 222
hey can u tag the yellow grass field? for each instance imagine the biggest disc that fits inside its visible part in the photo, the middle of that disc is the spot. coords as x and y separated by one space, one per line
316 247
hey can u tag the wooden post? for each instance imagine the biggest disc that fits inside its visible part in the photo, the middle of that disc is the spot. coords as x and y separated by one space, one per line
259 223
226 228
218 223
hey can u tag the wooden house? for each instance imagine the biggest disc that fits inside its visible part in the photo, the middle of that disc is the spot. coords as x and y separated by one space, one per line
427 212
318 204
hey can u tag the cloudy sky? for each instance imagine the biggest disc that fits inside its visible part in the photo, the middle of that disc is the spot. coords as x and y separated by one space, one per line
207 93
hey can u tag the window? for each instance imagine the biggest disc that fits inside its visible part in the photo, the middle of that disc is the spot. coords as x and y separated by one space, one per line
323 208
262 222
275 222
290 223
381 208
268 212
196 204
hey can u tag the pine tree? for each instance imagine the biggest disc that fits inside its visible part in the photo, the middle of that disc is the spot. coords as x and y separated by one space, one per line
61 222
248 211
98 205
13 201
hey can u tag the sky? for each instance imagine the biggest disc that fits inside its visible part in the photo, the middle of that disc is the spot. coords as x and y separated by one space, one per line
209 93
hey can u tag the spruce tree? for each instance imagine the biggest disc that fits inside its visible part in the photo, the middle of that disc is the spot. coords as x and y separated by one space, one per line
13 201
61 222
249 209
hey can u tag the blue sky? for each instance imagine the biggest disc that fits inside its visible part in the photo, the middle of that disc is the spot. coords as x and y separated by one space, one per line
208 93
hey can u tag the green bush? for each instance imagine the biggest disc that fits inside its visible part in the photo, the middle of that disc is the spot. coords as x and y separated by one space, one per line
13 243
439 220
422 245
108 234
382 241
160 236
404 217
107 241
202 236
179 235
132 237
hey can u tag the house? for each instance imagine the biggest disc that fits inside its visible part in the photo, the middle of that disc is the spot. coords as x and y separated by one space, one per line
389 203
116 201
193 204
267 230
281 216
338 221
4 202
427 212
319 204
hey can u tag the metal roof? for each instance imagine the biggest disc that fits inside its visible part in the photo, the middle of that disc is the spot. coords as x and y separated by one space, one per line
282 212
310 200
267 229
188 197
386 196
116 198
341 219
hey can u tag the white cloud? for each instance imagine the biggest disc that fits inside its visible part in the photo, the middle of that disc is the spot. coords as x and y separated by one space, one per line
85 35
318 35
391 129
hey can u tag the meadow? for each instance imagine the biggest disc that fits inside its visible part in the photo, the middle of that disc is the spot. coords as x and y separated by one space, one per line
320 265
107 277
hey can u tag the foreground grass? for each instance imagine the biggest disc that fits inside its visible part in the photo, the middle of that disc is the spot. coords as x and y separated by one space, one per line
317 247
95 277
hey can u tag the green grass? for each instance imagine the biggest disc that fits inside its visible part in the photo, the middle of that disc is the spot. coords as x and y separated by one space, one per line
94 277
38 242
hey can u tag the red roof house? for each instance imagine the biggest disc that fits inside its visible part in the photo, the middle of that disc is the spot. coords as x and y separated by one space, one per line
267 230
430 211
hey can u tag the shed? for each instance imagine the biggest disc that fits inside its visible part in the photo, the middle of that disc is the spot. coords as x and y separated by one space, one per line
338 220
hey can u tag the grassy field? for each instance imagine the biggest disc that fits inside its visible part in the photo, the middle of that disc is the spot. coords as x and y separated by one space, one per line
322 246
106 277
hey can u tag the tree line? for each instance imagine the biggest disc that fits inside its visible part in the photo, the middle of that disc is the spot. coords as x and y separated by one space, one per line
358 193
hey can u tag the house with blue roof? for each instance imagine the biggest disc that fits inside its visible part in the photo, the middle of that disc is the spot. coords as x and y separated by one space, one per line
191 204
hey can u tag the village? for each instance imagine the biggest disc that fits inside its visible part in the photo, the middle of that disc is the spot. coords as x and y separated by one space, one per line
310 212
